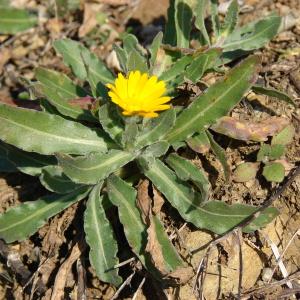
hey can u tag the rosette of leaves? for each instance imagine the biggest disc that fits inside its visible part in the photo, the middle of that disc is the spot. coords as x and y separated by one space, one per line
80 150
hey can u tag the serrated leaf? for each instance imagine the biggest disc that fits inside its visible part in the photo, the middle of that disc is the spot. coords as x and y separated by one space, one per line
15 20
202 63
156 129
215 216
231 18
54 180
186 170
220 154
154 47
183 22
253 35
285 136
46 134
200 15
216 102
58 89
100 238
20 222
93 167
273 93
274 172
123 196
111 121
245 172
199 142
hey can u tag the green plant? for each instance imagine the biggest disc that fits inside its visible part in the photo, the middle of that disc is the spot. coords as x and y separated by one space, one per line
81 146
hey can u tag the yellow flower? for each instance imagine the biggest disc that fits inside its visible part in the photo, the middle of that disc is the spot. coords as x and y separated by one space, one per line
139 94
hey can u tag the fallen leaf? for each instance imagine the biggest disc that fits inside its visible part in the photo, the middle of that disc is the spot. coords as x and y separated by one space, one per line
250 131
143 200
158 201
5 55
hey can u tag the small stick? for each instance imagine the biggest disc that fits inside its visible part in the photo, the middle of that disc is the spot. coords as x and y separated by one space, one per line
127 281
139 288
125 262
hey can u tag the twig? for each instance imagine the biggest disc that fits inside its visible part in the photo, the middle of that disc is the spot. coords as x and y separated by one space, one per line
238 238
125 262
127 281
139 288
282 254
81 286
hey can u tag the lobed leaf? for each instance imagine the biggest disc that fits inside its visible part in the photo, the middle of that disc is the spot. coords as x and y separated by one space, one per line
100 238
19 222
93 167
46 134
215 216
216 102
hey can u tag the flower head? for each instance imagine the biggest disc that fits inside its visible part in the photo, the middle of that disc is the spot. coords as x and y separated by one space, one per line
139 94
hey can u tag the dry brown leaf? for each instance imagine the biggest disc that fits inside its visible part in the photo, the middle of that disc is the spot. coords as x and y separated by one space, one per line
250 131
115 2
143 200
55 26
182 274
5 55
154 249
62 274
89 18
158 201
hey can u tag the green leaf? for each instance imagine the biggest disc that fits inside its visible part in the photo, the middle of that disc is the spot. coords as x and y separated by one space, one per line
253 35
176 69
111 122
245 172
200 14
100 237
199 142
215 216
154 47
270 152
46 134
137 62
156 128
54 180
15 20
169 36
94 167
84 64
130 43
274 172
183 22
129 136
5 164
27 162
122 57
220 154
123 196
202 63
231 18
215 17
273 93
216 102
186 170
58 88
157 149
285 136
20 222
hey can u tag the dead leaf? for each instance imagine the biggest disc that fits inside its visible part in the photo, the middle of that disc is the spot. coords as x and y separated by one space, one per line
250 131
154 249
115 2
89 18
55 26
5 55
158 201
182 274
143 200
62 274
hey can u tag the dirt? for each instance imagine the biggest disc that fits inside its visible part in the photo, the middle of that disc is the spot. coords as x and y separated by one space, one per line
30 268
